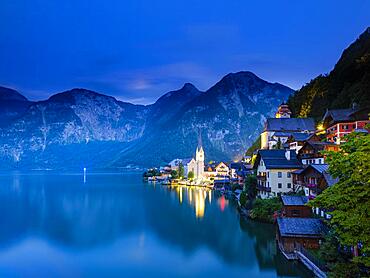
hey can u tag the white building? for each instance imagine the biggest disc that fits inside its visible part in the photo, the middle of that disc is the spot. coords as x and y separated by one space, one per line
280 128
196 165
274 168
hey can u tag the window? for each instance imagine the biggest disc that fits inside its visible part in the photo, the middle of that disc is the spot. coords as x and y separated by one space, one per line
288 174
296 212
289 185
268 184
268 174
280 185
280 174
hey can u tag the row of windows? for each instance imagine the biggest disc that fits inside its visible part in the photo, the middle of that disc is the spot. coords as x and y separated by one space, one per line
288 174
280 174
280 185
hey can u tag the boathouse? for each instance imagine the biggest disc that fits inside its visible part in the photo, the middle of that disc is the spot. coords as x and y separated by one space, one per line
294 233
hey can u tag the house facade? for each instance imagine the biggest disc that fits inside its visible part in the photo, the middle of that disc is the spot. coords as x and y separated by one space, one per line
222 170
340 122
312 152
295 206
274 168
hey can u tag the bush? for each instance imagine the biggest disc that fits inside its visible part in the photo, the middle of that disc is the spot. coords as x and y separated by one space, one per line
263 210
243 198
191 175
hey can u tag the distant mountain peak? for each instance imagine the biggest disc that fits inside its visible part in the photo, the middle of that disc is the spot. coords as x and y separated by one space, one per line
188 86
10 94
70 95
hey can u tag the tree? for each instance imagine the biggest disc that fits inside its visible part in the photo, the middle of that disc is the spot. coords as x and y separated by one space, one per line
336 258
263 210
191 175
181 171
349 199
174 174
250 186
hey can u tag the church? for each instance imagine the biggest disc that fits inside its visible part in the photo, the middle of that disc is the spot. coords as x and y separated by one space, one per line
280 128
195 165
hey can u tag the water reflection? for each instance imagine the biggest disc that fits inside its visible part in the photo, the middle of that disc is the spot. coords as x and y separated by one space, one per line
75 216
196 197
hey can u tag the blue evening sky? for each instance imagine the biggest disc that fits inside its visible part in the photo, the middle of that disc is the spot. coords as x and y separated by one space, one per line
139 49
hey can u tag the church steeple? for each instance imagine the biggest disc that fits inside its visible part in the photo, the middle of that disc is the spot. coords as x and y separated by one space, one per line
283 111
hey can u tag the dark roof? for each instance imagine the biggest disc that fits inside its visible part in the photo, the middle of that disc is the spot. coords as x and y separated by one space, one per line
290 124
186 161
316 145
345 115
282 134
321 168
301 136
329 179
294 200
276 159
300 227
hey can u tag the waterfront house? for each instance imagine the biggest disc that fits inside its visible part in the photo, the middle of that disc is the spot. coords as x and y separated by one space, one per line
280 128
295 206
293 233
274 168
340 122
311 152
222 170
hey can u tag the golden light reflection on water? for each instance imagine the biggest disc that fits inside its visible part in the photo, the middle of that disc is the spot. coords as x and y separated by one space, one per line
196 197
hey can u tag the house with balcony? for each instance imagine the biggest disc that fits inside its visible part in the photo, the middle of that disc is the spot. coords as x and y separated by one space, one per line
312 152
313 180
274 172
340 122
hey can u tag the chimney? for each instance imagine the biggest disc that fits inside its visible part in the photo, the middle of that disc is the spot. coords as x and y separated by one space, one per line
287 154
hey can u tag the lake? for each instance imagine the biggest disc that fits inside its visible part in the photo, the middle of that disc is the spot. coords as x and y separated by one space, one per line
115 225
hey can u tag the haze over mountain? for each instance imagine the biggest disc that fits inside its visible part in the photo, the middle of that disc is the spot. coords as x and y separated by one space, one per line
82 128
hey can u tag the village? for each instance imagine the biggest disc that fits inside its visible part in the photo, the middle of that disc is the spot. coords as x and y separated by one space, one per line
290 166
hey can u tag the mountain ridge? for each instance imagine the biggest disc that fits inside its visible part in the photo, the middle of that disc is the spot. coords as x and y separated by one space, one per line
82 127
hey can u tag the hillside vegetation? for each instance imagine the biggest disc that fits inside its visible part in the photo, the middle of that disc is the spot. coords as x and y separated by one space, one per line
346 84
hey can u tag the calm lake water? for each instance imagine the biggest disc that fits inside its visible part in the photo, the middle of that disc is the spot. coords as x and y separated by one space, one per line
114 225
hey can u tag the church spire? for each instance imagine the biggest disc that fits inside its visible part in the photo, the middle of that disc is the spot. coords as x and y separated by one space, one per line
200 143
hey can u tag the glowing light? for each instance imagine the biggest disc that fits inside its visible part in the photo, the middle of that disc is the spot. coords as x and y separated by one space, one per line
199 204
222 202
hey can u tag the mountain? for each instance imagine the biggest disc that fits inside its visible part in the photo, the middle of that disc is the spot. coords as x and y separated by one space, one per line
12 105
227 117
82 128
346 84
